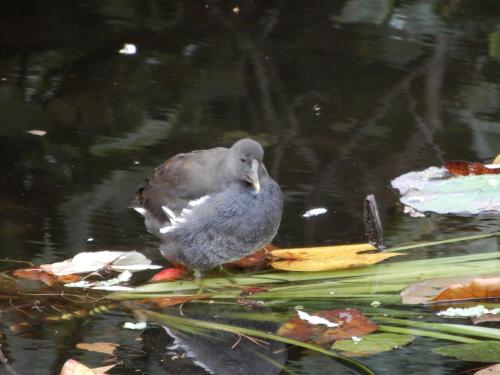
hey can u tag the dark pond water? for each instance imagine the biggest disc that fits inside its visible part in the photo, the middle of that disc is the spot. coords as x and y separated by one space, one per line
344 95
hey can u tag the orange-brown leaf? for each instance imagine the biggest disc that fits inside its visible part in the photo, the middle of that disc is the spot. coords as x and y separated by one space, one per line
423 291
464 168
352 322
478 288
99 347
37 274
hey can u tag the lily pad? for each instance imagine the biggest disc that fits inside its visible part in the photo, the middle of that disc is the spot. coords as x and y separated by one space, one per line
432 190
372 344
486 351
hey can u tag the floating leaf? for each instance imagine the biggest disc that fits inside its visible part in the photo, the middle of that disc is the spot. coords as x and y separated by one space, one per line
452 289
37 274
423 291
372 344
99 347
465 168
168 274
322 252
478 288
87 262
431 191
485 351
329 264
327 258
351 322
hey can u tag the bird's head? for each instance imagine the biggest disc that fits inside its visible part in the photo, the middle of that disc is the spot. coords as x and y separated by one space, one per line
246 162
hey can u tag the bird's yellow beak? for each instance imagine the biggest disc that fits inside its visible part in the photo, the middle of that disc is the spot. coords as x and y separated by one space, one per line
253 177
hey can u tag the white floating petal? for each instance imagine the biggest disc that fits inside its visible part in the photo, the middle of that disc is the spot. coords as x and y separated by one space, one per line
128 49
315 212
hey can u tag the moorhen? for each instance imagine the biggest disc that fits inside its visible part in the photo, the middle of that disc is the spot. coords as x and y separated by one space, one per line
211 207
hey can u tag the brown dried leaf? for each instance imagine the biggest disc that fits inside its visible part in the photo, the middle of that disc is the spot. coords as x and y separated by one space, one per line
452 289
478 288
37 274
352 322
464 168
423 291
99 347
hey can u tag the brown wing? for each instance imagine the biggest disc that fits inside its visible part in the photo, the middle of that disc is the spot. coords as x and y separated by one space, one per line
180 179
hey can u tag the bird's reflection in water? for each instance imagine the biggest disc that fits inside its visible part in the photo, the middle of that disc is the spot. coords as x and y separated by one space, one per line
216 352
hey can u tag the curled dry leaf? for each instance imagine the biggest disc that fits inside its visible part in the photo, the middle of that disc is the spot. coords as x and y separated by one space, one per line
464 168
478 288
99 347
452 289
351 322
37 274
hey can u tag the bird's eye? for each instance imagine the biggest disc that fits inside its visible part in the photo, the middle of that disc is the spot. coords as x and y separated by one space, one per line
243 160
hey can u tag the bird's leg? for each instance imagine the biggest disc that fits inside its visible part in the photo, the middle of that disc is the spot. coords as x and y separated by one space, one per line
228 274
199 277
